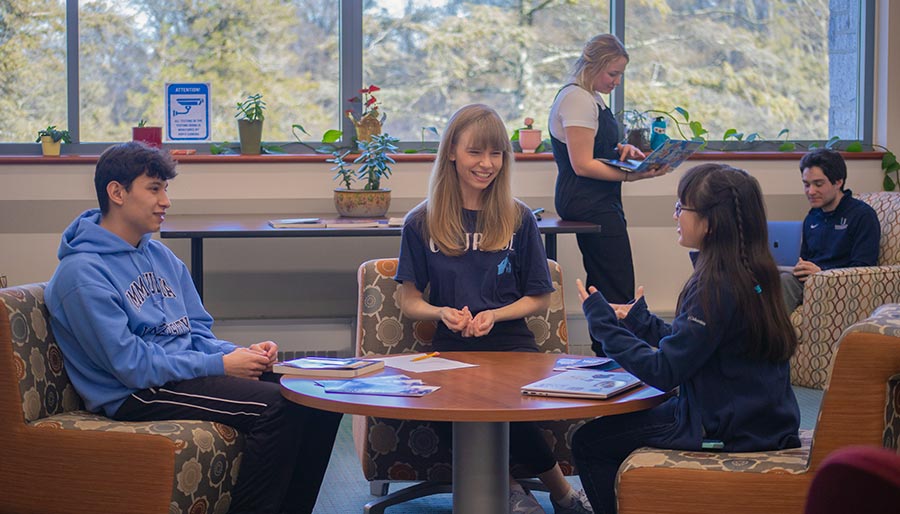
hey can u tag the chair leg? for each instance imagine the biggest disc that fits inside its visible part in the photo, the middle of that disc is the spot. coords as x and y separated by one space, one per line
378 487
412 492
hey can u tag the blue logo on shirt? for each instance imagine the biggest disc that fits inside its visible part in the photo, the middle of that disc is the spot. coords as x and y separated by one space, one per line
504 266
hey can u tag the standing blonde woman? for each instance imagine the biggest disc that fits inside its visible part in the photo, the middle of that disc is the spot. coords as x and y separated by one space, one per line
583 129
479 249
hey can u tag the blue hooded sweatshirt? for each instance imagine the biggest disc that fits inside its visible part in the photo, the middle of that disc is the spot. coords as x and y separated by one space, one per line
127 318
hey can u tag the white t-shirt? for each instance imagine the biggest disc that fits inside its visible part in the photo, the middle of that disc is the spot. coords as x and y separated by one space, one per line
574 107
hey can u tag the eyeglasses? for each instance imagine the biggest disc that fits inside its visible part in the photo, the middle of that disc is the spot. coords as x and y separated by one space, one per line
679 208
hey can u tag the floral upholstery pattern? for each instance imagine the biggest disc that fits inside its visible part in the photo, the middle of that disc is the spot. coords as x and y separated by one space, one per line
414 450
207 455
792 461
835 299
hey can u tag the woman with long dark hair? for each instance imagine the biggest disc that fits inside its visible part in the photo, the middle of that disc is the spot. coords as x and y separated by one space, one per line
726 351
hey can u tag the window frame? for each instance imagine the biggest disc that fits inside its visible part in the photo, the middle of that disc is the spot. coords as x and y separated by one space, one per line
351 69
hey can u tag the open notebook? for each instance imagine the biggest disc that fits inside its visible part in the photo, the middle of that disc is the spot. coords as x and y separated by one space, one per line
583 384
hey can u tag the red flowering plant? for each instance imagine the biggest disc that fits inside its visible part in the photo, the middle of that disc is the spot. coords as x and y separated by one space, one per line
368 103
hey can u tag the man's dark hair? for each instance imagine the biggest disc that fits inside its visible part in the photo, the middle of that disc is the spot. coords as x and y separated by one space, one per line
127 161
829 161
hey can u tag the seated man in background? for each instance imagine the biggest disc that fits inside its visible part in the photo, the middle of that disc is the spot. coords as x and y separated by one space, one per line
138 345
838 232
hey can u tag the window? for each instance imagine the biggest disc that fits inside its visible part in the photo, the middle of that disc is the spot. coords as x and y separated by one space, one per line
752 65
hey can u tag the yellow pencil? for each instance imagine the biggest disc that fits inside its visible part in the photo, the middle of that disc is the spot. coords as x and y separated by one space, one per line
423 357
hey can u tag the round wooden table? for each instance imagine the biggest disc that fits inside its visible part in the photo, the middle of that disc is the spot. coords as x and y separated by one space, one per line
480 402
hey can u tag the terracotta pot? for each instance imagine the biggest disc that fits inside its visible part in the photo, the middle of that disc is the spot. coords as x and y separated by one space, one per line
359 203
250 133
50 147
367 127
529 139
150 135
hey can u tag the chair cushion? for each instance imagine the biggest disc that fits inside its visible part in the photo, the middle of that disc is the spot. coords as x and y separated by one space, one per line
207 455
793 461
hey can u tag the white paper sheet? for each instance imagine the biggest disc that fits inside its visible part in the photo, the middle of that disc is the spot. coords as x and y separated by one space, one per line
406 363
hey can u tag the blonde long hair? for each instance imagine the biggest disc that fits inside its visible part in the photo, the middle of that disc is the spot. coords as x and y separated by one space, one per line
598 53
444 206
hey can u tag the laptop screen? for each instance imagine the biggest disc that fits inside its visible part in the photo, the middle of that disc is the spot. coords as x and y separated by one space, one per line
784 241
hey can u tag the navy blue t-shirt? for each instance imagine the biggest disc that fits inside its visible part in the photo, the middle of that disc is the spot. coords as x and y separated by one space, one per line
478 279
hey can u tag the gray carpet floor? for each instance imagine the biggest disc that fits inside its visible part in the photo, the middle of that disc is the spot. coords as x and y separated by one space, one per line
346 491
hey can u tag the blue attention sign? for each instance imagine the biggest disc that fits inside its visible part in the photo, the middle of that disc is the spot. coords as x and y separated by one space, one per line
187 112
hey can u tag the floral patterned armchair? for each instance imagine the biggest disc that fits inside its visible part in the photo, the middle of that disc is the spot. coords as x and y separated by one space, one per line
59 458
835 299
395 450
860 406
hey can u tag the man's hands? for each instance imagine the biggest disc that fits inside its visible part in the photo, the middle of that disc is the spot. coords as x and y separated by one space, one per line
803 269
251 362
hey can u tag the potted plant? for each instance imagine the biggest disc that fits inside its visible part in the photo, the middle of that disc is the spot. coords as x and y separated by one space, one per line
150 135
529 138
250 118
369 121
51 139
637 129
374 164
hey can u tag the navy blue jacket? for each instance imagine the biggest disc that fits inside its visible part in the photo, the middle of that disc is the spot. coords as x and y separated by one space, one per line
724 395
845 237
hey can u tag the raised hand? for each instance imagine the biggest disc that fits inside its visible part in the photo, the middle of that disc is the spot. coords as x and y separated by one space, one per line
622 309
582 292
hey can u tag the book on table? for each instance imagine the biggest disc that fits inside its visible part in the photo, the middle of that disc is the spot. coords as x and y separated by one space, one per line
327 367
583 383
356 223
297 223
672 153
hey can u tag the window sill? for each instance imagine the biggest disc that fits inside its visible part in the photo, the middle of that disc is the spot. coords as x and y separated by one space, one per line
418 157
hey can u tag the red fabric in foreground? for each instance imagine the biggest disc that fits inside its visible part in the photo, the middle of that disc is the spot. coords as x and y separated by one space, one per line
856 479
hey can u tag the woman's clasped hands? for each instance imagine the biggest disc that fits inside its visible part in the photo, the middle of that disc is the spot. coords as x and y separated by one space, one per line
461 320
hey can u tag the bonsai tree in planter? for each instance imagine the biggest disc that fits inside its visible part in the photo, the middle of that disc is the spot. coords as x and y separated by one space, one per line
374 164
250 118
150 135
51 139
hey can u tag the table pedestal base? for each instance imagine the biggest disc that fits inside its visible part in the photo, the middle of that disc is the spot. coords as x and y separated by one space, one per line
480 468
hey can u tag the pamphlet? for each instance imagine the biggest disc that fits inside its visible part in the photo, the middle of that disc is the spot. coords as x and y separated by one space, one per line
389 385
672 153
327 367
583 384
595 363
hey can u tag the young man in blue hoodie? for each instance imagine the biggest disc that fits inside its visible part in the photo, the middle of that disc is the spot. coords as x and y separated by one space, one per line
138 344
838 232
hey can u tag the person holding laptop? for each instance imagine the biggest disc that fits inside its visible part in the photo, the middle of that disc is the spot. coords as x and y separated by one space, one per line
480 251
727 350
839 231
138 344
582 130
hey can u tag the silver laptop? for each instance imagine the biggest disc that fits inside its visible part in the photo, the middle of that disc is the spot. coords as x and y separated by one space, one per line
583 384
784 241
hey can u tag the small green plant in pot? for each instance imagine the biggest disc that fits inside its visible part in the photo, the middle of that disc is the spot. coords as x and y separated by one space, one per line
51 140
374 165
250 116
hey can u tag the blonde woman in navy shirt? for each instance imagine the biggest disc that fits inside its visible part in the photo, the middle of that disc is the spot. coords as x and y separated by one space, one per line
479 249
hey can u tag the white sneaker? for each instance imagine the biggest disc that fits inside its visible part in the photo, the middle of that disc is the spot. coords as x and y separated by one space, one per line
523 502
579 505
